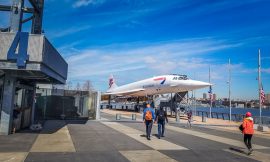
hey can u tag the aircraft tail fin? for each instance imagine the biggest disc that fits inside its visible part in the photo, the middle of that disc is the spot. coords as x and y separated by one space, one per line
112 83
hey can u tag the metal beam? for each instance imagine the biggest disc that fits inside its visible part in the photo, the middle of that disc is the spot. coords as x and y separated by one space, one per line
17 10
28 19
34 4
9 8
37 20
16 15
5 29
5 8
28 10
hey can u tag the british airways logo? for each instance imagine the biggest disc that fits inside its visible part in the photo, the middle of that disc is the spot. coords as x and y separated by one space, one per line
110 82
162 79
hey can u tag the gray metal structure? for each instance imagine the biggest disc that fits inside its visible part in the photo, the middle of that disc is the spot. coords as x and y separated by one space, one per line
25 60
45 64
17 9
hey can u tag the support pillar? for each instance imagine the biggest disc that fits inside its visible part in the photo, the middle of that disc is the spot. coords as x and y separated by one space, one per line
109 101
98 106
33 106
37 20
7 105
177 115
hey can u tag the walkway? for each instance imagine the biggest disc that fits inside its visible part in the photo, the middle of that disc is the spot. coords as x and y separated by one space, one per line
124 140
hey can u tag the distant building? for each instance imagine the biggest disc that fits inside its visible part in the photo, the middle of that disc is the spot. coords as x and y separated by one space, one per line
267 98
240 105
204 96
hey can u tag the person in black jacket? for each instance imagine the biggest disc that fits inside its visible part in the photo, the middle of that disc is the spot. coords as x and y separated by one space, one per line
161 116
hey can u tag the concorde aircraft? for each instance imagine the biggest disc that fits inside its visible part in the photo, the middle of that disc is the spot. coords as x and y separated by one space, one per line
156 85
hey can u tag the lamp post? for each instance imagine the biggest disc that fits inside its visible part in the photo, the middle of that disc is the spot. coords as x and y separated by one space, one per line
230 102
259 85
210 93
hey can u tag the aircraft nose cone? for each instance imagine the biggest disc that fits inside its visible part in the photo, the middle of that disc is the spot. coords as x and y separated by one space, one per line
204 84
199 84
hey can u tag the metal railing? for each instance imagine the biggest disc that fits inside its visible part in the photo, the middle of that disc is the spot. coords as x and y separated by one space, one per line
235 117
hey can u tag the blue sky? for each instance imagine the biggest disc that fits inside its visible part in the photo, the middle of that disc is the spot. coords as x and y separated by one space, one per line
134 40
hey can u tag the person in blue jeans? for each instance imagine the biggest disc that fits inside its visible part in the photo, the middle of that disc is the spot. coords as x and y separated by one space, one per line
161 116
148 119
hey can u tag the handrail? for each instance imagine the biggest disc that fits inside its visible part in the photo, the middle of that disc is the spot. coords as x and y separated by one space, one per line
235 117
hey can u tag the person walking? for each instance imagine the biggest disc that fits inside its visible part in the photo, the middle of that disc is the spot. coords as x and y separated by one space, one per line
16 118
148 119
248 131
161 116
189 118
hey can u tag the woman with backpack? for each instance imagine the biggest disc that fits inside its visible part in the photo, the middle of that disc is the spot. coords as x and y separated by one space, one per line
248 131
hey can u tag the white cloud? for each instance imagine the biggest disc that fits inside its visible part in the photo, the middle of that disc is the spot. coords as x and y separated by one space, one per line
135 61
82 3
69 31
181 56
266 70
150 59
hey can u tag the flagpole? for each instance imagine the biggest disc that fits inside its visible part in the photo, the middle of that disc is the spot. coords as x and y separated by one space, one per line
230 89
195 102
259 83
210 93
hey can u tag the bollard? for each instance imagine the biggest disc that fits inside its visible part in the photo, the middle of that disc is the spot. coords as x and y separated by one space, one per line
177 119
204 118
133 116
118 116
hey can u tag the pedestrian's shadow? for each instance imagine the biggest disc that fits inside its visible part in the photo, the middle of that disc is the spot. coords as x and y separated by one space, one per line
143 135
237 150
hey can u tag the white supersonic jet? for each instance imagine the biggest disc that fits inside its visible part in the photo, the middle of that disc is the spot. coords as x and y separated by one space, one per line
156 85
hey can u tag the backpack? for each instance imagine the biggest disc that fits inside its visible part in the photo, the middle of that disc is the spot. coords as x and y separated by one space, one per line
148 115
161 115
241 128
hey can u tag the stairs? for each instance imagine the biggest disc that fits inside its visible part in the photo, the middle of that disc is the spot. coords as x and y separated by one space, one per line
168 100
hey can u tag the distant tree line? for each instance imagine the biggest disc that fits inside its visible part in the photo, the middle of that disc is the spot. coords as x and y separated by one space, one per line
86 86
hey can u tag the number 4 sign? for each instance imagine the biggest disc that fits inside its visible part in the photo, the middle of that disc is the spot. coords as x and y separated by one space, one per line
21 42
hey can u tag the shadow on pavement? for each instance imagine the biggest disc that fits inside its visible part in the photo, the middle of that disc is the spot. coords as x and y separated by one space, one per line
237 150
123 121
52 126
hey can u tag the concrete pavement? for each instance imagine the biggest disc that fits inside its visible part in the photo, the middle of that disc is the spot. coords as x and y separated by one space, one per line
124 140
